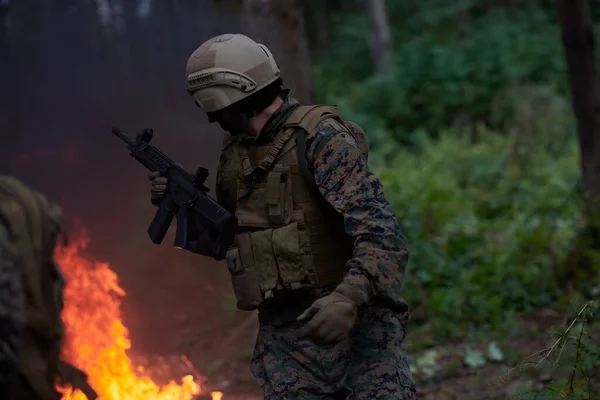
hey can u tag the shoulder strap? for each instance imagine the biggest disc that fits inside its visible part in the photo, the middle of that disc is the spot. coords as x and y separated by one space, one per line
228 140
306 118
302 162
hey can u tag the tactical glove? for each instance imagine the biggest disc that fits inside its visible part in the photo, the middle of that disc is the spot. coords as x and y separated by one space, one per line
330 319
158 187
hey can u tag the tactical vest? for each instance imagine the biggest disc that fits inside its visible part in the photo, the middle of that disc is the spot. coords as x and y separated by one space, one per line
35 225
289 238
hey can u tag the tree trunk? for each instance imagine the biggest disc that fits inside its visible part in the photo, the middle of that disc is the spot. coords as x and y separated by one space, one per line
578 40
318 24
279 25
381 39
348 6
464 23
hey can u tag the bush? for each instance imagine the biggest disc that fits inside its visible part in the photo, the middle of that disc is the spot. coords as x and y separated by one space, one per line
441 79
572 360
488 189
487 225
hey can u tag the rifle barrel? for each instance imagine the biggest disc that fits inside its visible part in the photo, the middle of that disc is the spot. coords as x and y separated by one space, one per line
123 136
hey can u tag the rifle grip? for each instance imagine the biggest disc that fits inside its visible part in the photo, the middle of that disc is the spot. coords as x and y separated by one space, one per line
162 220
183 225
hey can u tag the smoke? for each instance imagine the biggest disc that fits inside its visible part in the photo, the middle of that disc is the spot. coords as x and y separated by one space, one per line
65 81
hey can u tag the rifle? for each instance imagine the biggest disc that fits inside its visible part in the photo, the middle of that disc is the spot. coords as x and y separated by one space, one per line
69 374
186 197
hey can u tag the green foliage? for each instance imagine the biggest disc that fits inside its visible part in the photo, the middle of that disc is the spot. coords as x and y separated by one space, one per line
574 357
583 266
488 225
488 188
474 358
428 363
473 138
494 353
442 78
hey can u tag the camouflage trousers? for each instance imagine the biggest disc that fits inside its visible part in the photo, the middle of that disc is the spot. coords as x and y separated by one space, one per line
371 365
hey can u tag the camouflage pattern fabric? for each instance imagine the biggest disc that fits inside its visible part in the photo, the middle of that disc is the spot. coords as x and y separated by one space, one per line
12 310
380 248
343 178
370 365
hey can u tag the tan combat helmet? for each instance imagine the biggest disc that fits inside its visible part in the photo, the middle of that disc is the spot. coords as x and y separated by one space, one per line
227 69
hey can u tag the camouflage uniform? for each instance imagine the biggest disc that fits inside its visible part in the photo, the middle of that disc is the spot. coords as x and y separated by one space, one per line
31 297
372 364
331 273
12 310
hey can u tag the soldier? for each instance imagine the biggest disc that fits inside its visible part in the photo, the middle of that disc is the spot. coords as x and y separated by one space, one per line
319 251
30 295
12 309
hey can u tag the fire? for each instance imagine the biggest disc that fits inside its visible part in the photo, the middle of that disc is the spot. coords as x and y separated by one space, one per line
96 338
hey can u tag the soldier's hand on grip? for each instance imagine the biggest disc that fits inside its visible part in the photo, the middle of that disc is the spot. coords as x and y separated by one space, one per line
158 187
330 319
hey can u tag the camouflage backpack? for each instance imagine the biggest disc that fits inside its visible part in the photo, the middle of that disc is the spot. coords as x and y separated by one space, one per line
35 225
306 118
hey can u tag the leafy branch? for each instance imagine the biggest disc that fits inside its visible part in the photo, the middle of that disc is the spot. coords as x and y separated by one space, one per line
573 334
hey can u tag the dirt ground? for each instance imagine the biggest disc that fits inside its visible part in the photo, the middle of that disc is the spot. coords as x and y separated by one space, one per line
229 372
197 318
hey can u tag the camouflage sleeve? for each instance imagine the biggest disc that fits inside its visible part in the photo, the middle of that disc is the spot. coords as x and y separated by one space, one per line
12 308
380 250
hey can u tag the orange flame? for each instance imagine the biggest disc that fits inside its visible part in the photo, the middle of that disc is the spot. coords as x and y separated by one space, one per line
96 339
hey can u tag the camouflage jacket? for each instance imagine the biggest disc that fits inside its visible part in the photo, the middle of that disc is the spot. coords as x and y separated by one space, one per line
12 309
343 178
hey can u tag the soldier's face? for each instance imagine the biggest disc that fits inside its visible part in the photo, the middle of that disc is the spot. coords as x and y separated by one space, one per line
230 121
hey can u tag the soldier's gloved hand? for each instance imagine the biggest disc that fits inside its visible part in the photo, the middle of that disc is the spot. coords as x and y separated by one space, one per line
330 319
158 187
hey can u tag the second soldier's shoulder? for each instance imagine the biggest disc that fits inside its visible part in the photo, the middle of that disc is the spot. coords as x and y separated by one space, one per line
7 252
6 239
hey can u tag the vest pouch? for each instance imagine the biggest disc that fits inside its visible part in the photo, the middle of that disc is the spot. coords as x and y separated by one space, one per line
244 277
269 204
289 249
283 259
